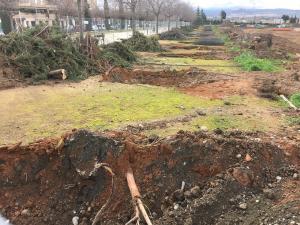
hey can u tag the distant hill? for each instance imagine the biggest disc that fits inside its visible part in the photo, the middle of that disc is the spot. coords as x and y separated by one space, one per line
251 12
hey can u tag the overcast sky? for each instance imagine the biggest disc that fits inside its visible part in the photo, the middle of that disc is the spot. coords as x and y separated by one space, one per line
270 4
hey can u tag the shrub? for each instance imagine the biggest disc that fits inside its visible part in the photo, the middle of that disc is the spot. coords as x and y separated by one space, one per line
174 34
250 62
118 54
139 42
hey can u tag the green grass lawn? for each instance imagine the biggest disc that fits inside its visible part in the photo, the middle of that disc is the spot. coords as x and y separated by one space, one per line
42 111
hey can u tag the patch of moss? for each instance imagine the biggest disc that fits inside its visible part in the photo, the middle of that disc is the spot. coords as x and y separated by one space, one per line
293 120
40 111
229 122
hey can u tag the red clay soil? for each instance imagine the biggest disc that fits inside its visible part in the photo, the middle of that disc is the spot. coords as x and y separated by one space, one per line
50 183
187 78
221 89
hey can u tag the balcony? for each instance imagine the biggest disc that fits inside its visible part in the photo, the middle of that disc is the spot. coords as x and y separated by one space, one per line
35 4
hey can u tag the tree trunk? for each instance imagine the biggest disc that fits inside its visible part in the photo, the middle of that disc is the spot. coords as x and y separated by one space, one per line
121 13
169 24
106 15
133 25
6 21
79 5
157 17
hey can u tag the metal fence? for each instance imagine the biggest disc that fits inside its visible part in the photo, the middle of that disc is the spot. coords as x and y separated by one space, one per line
115 33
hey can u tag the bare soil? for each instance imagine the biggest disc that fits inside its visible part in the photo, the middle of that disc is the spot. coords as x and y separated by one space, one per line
230 178
184 78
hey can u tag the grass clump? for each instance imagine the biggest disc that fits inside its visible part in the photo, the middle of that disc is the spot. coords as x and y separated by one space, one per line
295 99
118 54
250 62
141 43
36 55
293 121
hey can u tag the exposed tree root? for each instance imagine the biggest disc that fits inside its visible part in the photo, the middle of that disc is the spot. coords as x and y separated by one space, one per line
108 169
136 197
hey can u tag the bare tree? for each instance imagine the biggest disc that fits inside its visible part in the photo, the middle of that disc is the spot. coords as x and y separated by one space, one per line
156 8
106 14
121 13
170 10
132 4
79 6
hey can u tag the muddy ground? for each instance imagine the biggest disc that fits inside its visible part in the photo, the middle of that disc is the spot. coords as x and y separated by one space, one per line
230 178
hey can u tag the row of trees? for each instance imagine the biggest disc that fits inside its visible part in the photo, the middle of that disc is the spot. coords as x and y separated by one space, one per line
130 10
291 19
121 9
201 18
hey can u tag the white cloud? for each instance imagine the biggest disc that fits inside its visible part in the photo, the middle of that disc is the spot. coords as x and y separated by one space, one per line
289 4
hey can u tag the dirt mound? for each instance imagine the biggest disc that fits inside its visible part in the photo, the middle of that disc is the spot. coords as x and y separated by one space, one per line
264 44
189 178
186 78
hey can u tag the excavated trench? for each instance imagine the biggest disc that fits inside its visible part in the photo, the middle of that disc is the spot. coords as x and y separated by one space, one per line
230 178
167 78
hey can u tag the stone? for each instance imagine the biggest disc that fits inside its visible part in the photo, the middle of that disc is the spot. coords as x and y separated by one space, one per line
204 128
269 193
25 212
248 158
176 206
243 176
200 112
75 220
238 156
195 191
278 178
243 206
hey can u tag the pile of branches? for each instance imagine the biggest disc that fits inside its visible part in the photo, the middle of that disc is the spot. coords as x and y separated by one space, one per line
118 54
141 43
37 51
174 34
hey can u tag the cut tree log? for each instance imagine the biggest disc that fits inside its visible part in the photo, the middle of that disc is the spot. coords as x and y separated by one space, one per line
57 74
136 197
